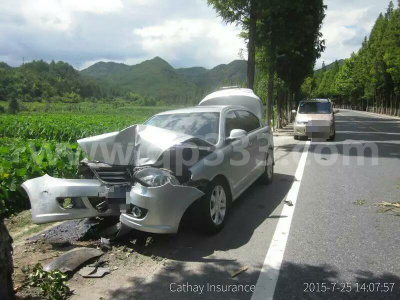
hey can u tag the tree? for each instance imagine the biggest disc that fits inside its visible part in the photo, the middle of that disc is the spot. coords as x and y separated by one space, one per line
289 34
243 12
370 78
13 106
308 87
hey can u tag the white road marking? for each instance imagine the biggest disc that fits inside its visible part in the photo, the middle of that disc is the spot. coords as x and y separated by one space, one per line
266 283
376 115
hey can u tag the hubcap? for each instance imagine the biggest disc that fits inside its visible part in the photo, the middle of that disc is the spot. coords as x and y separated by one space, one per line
218 205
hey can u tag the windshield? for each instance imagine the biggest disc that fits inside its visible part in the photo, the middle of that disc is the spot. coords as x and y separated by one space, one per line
204 125
315 108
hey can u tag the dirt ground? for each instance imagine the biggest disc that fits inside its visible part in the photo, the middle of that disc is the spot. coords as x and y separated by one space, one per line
135 254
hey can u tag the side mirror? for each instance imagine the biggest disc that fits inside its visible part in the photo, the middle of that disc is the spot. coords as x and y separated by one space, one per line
237 134
294 111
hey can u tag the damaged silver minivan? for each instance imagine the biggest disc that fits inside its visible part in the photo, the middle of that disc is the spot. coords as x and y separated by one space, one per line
150 174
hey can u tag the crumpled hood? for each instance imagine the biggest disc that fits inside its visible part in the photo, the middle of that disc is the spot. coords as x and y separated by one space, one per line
136 145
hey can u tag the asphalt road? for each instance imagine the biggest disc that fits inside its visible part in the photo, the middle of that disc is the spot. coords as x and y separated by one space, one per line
338 239
338 235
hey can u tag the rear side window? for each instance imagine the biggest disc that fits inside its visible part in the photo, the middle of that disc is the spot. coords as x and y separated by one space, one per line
247 121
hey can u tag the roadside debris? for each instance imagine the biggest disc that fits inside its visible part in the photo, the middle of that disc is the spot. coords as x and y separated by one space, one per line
93 272
105 244
359 202
288 202
388 206
72 259
234 274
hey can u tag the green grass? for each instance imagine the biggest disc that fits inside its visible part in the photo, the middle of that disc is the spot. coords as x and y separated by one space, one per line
90 108
67 126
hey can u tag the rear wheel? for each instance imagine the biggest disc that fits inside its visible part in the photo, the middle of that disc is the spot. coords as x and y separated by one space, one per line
296 137
268 176
214 207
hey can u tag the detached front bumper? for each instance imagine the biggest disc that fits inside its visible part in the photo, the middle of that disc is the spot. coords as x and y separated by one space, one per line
47 194
164 205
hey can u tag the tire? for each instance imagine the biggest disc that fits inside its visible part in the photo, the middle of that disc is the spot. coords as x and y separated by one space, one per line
296 137
214 207
332 138
268 176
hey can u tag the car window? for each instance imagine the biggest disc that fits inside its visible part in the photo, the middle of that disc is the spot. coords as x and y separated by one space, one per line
204 125
231 122
314 108
247 121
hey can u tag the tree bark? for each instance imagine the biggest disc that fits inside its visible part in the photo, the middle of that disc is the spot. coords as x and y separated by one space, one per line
251 60
290 105
271 77
270 93
6 263
279 109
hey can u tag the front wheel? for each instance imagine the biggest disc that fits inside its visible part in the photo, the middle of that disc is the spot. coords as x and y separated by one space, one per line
214 207
332 137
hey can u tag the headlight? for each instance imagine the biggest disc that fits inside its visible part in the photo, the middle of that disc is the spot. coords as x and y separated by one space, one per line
156 177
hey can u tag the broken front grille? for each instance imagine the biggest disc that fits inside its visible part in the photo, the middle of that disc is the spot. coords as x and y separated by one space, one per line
113 175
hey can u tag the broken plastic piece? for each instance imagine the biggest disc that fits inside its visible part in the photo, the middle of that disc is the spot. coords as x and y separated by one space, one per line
105 244
93 272
72 259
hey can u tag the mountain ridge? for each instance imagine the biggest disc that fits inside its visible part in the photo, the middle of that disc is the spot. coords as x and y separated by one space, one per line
157 78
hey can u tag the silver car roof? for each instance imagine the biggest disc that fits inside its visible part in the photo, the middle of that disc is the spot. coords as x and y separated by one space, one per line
208 108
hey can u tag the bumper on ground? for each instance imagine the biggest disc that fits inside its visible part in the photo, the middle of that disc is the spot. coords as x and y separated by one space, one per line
47 194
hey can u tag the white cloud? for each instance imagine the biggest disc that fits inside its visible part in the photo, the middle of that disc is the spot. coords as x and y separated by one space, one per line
345 26
185 33
59 15
205 40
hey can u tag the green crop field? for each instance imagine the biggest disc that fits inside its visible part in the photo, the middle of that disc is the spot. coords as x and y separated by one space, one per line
34 144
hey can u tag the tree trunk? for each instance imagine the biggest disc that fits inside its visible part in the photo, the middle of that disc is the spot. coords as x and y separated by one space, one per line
279 109
290 105
251 60
6 263
271 77
270 93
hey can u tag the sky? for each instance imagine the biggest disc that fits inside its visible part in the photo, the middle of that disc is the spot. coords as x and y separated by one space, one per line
185 33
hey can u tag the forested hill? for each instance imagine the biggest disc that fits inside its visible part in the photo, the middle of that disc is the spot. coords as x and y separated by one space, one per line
370 77
42 81
148 83
157 78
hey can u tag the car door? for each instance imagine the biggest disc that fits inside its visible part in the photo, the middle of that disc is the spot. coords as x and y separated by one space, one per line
251 124
238 169
243 155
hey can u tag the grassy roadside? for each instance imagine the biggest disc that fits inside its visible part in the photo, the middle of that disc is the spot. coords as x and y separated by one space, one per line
20 226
